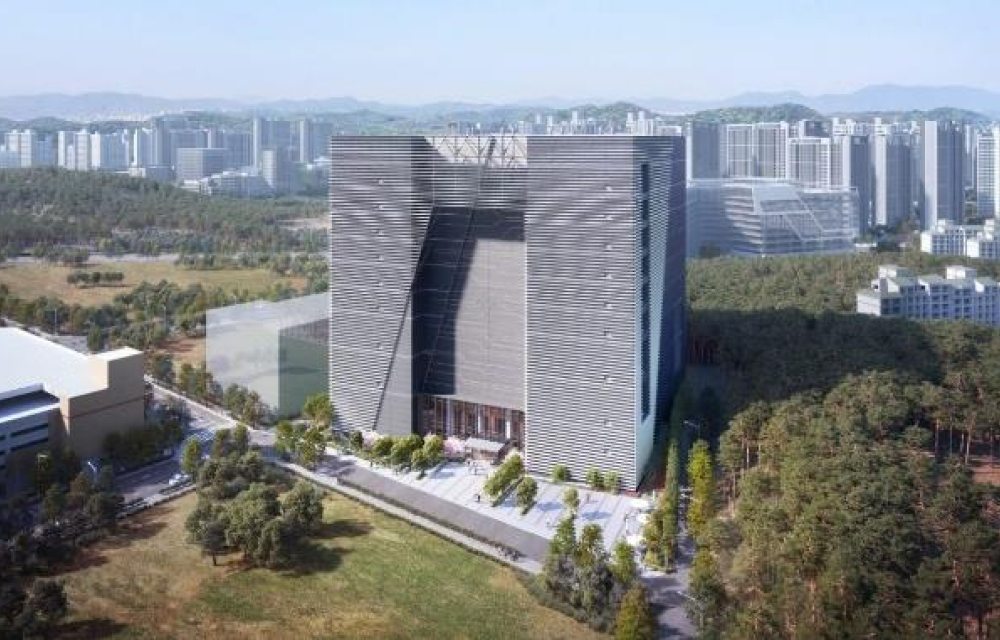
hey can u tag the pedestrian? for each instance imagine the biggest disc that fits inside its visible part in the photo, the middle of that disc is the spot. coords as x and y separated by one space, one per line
477 497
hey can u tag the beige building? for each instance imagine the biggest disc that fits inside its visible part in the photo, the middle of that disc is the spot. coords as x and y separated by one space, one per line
51 396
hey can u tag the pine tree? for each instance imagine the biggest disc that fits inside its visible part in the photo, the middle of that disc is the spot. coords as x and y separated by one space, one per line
635 618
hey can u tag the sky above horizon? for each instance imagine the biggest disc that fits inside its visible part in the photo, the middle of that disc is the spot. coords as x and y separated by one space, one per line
484 50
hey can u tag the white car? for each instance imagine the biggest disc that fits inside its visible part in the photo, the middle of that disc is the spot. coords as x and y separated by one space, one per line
177 479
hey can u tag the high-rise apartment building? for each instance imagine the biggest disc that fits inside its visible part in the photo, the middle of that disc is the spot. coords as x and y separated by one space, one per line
892 159
31 149
108 151
276 170
186 139
809 129
770 148
943 164
756 150
703 150
522 289
809 162
851 166
988 172
196 163
305 131
739 151
239 149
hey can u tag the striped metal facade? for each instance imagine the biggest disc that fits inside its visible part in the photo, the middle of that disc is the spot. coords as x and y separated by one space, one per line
587 230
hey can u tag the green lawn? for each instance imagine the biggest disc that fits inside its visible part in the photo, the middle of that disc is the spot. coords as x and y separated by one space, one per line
29 281
368 576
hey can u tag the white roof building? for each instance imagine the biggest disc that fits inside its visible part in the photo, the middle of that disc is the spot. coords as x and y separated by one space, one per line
961 295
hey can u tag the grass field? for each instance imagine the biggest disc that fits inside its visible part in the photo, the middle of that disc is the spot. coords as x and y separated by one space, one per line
33 280
190 350
369 576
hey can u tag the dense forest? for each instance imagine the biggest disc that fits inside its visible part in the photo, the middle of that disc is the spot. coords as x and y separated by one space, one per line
846 501
115 213
774 113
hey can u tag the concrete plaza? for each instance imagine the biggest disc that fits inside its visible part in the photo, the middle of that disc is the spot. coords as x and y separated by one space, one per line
462 484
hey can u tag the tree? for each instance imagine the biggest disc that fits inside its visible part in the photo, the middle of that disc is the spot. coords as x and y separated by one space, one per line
419 461
383 447
42 610
80 490
241 439
53 504
403 448
206 526
287 438
560 474
44 473
702 479
212 539
220 443
357 440
595 479
312 446
612 481
105 480
95 339
318 410
571 500
303 507
274 546
527 490
564 540
191 457
102 509
590 549
246 517
623 565
433 449
505 475
635 618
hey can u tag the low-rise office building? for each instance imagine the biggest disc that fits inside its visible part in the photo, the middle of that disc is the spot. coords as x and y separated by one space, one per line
960 295
974 241
769 217
946 238
276 349
51 396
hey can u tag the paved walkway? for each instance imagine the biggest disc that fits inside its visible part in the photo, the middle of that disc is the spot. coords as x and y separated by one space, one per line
457 488
350 471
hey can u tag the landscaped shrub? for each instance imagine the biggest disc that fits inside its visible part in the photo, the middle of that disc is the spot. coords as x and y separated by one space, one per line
527 491
403 448
560 474
595 479
505 475
383 447
612 481
357 440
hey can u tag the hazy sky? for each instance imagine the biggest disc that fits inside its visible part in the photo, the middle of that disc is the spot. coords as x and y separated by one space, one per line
425 50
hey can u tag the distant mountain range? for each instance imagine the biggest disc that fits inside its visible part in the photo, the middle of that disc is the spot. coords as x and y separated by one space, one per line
88 107
883 97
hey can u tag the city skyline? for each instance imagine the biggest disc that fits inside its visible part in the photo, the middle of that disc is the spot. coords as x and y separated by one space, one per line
514 52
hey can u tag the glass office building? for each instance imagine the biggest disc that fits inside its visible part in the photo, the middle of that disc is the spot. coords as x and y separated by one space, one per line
278 349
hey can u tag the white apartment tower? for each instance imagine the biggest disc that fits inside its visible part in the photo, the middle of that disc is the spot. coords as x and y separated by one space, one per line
988 172
809 162
770 148
739 151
